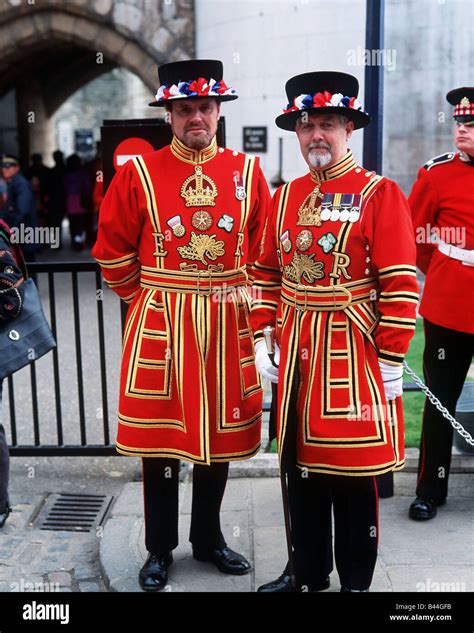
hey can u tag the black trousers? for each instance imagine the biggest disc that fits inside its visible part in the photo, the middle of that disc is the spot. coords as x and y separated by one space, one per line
161 488
4 470
313 498
4 464
446 360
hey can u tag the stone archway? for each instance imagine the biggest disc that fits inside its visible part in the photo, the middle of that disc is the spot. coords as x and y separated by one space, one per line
51 48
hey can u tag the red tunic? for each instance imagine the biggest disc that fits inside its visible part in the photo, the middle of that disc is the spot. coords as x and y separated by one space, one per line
339 283
442 199
178 232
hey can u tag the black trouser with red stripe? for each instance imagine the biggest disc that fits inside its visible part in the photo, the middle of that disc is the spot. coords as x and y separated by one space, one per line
312 499
161 488
446 360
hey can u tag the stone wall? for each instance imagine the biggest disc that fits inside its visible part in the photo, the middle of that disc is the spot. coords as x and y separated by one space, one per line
50 49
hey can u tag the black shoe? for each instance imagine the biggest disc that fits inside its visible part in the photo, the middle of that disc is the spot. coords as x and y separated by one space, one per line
423 509
347 590
4 515
280 585
153 575
283 584
226 560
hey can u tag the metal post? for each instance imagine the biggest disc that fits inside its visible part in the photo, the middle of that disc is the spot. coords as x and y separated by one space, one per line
373 134
373 92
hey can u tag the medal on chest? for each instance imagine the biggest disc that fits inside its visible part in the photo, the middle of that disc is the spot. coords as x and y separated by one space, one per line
341 207
239 186
175 224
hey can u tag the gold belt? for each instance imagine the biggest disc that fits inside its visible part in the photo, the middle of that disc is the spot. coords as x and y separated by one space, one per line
200 282
328 298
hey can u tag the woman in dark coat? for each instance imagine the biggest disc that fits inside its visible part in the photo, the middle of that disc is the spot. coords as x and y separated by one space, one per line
12 274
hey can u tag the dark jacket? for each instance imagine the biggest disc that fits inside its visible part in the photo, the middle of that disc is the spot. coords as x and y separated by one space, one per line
20 207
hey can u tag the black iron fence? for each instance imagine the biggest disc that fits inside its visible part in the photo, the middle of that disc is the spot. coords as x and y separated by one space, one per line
57 392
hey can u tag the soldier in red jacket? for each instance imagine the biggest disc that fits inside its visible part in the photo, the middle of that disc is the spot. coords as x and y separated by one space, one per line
442 204
179 230
337 280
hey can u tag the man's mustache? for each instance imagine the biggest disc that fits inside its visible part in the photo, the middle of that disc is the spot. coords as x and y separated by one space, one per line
320 145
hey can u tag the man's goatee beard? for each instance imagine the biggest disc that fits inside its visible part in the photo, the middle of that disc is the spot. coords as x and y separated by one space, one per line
319 160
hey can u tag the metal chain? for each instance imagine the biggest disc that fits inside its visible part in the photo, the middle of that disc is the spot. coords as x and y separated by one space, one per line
434 400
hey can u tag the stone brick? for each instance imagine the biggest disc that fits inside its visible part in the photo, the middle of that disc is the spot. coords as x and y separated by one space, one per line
110 43
179 55
168 9
63 24
162 40
89 587
131 55
127 16
179 26
83 572
63 578
42 23
88 30
20 30
102 6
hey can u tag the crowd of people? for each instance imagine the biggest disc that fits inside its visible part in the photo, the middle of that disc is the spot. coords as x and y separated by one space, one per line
43 196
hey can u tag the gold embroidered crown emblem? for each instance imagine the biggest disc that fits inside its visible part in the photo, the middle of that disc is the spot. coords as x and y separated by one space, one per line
465 102
309 213
195 193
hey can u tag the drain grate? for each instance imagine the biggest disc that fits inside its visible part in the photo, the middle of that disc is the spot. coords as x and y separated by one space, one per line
73 513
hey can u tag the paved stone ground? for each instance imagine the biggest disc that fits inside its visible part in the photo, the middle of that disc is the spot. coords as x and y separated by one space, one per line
33 559
412 556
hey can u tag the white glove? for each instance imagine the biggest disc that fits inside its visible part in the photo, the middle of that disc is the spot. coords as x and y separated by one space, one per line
264 365
392 376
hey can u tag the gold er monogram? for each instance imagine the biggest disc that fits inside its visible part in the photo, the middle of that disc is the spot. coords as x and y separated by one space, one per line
197 195
309 213
159 249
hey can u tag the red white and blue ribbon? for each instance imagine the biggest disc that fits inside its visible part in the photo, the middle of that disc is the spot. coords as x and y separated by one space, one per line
200 87
323 100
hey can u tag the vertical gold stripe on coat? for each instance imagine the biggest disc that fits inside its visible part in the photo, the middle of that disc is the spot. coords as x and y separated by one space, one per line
177 342
198 326
149 190
245 204
220 365
281 211
288 378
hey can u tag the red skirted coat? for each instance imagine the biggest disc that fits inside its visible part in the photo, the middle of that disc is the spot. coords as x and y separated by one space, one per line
442 206
179 230
337 279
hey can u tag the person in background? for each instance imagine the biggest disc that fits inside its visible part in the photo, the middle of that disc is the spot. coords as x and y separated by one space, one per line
38 175
19 211
78 199
442 205
12 274
94 167
57 196
3 192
